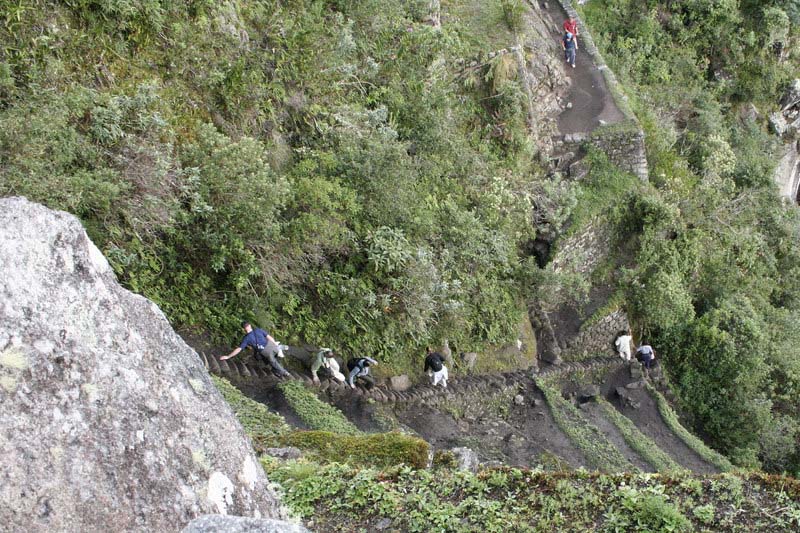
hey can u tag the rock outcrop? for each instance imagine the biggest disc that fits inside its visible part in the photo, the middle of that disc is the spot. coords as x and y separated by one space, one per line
109 420
238 524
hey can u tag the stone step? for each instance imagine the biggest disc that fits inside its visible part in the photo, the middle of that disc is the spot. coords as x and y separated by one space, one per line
203 359
213 365
235 367
246 371
224 367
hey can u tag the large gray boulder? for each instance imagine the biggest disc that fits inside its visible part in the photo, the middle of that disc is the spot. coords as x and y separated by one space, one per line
109 421
238 524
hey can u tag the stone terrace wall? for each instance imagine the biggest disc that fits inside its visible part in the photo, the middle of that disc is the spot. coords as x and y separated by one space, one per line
596 337
584 251
623 142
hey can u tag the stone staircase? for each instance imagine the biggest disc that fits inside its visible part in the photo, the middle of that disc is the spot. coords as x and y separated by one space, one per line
456 385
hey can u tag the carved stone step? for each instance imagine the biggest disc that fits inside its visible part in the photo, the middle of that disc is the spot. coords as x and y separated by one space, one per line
213 364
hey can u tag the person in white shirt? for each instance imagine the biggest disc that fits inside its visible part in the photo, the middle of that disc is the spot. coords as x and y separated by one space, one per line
623 344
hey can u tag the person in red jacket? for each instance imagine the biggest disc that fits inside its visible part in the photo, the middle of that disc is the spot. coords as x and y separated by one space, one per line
571 25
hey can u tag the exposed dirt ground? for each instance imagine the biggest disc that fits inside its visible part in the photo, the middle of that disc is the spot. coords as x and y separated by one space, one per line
649 421
527 435
594 414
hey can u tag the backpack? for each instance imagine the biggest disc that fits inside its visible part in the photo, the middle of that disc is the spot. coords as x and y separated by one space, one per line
352 363
435 362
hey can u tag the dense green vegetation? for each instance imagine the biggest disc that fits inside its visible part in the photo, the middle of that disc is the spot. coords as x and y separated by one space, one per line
340 497
712 278
311 165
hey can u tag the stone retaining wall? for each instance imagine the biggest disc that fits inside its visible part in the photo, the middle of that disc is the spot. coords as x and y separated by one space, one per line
582 252
596 337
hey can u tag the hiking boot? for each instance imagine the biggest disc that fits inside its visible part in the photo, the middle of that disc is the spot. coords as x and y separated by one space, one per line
573 65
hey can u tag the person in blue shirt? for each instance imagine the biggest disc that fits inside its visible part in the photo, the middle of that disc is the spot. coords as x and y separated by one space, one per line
264 347
570 45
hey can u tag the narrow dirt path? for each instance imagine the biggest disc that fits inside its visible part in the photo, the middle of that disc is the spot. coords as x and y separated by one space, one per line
589 95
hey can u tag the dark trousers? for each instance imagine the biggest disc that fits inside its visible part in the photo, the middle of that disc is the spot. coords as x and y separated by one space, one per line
268 356
569 55
366 380
647 361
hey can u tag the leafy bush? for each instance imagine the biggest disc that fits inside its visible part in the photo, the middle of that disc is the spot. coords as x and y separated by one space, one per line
643 511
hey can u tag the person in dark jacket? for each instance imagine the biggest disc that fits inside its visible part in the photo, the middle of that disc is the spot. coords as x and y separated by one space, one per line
264 347
646 354
359 368
436 368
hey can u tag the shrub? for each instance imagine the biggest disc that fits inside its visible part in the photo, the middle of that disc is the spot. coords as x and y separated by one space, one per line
645 511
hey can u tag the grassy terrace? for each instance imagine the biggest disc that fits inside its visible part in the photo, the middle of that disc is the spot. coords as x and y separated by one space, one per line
671 419
347 498
358 482
638 441
599 452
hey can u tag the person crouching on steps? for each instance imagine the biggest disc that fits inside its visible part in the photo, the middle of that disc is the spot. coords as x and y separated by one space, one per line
264 347
437 370
570 45
325 362
359 368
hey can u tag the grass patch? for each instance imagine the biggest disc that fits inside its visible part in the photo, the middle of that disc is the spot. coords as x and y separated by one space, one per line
638 441
313 411
485 21
671 419
264 427
376 449
603 190
599 452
